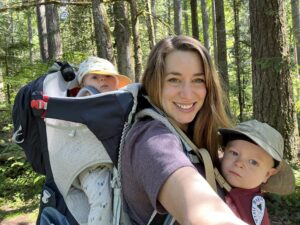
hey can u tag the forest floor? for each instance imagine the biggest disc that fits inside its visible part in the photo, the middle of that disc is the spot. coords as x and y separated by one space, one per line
28 218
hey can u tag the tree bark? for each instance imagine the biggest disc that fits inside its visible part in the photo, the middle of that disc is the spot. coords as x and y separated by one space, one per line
186 17
205 24
213 9
153 10
296 28
136 40
29 30
194 15
42 30
237 57
122 38
150 26
177 17
53 33
272 86
102 31
221 44
168 3
2 93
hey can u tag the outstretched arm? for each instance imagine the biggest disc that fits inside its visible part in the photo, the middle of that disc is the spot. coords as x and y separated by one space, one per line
190 199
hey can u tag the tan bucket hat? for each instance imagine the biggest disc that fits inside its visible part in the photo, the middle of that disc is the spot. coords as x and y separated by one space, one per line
271 141
96 65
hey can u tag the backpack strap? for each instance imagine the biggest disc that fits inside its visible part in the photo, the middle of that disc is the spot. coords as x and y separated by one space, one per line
221 180
201 153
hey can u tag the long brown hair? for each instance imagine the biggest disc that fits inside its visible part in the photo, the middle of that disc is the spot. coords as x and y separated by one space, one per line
212 114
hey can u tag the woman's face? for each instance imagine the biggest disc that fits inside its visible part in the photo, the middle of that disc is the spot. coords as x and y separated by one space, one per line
184 89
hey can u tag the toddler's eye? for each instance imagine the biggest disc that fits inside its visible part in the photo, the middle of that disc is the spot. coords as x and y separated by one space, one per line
253 162
234 153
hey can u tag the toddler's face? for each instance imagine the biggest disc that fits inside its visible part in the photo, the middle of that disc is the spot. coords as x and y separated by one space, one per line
246 165
102 83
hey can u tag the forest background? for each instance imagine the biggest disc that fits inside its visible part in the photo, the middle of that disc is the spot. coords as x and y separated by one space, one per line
255 45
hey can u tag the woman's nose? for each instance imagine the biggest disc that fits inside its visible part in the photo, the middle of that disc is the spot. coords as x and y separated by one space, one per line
186 90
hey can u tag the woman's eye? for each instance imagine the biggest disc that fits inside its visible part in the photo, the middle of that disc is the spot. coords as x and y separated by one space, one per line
253 162
174 80
199 80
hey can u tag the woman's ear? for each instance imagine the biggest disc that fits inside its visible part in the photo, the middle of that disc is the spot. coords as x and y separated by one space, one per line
270 173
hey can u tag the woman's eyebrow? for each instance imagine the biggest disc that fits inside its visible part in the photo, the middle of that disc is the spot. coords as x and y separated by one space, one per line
178 74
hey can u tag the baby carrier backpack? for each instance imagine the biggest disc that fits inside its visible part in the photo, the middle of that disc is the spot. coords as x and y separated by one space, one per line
99 125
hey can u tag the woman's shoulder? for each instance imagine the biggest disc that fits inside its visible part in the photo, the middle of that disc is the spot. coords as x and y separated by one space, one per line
149 127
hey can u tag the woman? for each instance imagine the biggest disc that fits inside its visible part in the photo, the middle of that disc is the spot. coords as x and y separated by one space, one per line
156 174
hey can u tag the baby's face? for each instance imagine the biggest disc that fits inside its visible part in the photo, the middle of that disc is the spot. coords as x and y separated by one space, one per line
246 165
102 83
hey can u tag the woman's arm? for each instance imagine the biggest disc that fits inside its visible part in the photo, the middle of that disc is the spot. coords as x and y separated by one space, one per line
190 199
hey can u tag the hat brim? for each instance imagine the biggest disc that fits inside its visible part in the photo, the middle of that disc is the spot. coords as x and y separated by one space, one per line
281 183
227 132
123 80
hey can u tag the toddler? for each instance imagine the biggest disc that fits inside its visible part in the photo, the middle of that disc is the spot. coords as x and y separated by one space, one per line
253 162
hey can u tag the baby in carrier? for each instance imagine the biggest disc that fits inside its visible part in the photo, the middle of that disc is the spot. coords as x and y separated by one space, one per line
97 75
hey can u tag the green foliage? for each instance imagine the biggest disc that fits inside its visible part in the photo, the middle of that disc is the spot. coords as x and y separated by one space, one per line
19 186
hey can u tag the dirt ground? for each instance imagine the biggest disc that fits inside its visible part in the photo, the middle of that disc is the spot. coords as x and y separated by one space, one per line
23 219
19 220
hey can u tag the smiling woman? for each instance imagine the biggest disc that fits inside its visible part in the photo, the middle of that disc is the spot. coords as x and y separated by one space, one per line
180 80
184 89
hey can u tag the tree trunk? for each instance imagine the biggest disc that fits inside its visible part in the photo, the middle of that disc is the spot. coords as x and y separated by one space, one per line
136 40
2 93
186 17
42 30
122 38
168 3
213 9
29 30
102 31
221 44
150 26
237 57
153 10
177 17
194 15
296 28
272 87
205 24
53 33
